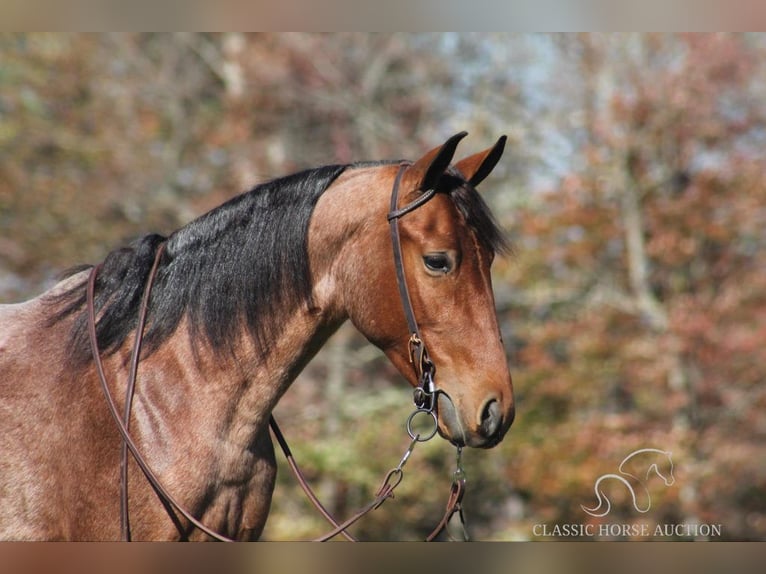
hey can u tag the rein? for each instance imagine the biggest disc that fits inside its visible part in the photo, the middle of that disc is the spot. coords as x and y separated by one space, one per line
425 399
168 501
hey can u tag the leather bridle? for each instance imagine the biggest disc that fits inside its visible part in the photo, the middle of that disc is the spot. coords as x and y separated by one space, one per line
425 399
425 392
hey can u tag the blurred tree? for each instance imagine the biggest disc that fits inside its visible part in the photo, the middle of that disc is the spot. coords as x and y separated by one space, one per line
97 144
646 270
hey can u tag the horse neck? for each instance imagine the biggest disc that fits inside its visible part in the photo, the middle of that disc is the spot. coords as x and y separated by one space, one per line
336 229
227 397
245 386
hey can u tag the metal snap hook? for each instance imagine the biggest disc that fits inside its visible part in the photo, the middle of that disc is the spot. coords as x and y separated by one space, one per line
422 437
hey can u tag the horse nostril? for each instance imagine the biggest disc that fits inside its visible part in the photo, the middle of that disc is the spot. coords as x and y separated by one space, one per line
491 418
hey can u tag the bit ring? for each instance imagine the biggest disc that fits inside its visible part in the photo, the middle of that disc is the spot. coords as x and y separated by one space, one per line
418 436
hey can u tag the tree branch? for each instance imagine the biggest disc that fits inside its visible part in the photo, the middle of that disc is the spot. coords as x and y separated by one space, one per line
638 259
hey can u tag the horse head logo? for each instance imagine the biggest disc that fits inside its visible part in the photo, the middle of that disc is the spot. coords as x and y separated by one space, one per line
634 472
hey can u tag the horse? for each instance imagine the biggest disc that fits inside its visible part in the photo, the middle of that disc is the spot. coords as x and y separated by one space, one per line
641 464
234 305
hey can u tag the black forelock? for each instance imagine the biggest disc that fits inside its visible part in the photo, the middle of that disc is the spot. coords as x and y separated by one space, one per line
475 212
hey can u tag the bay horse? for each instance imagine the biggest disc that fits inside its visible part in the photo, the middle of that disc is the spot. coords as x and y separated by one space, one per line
240 300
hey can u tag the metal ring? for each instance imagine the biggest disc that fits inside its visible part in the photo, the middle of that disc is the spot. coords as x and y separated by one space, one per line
417 436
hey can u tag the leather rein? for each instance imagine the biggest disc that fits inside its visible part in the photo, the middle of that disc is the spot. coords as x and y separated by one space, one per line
425 399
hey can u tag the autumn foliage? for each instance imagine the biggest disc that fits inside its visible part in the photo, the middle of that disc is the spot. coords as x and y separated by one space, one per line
633 307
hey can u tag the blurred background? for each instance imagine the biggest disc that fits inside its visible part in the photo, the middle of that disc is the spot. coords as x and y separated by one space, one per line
633 307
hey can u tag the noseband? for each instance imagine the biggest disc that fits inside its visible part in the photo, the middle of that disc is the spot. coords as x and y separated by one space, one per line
425 399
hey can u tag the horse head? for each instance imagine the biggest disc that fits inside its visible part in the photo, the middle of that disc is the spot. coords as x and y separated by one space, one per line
448 240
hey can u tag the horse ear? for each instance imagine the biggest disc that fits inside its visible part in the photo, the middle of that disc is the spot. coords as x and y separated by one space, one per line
427 171
478 166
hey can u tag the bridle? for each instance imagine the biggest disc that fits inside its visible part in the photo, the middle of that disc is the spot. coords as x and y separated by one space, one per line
425 399
425 393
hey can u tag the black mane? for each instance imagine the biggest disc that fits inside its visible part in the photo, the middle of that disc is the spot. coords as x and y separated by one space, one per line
233 266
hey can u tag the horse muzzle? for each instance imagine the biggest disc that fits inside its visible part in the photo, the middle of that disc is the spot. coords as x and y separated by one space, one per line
485 430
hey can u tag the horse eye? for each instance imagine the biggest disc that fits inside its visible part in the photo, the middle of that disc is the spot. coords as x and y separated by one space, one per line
438 262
